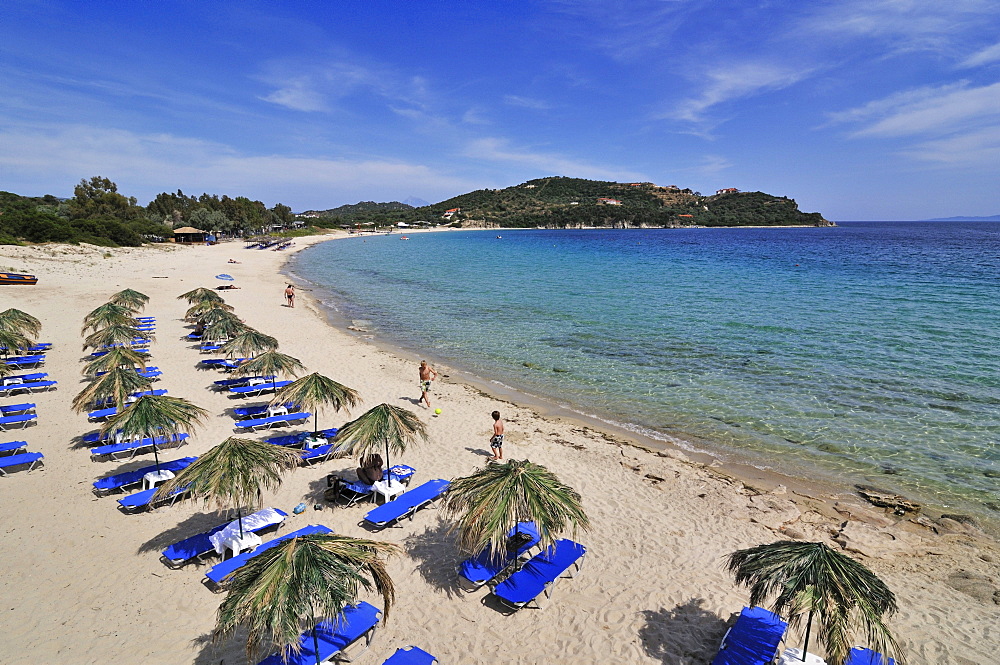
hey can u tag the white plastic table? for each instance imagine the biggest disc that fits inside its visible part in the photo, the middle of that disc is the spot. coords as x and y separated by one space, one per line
152 479
793 656
389 490
249 541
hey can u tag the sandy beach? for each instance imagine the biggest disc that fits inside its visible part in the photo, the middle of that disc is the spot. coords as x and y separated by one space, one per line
83 582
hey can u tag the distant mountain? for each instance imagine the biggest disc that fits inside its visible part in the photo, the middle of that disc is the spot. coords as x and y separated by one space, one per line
415 202
991 218
360 210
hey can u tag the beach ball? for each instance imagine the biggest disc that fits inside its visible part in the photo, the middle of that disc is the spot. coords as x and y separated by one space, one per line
437 412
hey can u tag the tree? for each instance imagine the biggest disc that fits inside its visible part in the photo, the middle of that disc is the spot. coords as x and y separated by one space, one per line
291 587
812 579
99 197
315 391
492 500
384 426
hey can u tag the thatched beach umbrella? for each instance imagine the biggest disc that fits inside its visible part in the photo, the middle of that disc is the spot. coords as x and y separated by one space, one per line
315 391
200 310
270 363
22 322
121 334
155 415
384 426
248 342
293 586
119 356
118 384
234 474
492 500
131 299
13 340
200 294
223 328
812 579
107 314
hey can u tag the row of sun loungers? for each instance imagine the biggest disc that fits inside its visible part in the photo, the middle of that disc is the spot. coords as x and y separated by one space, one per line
14 457
25 361
110 400
201 544
25 383
257 386
300 438
270 421
226 384
260 410
119 481
484 567
149 372
130 449
218 573
223 363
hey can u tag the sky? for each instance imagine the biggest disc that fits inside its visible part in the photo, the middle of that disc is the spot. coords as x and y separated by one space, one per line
857 109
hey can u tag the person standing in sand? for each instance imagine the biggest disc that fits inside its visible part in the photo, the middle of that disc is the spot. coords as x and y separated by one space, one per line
496 441
290 295
427 374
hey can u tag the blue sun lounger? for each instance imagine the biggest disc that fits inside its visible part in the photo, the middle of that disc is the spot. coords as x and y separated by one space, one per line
407 503
269 422
23 378
410 655
119 481
257 389
199 545
20 421
25 361
753 639
243 381
39 385
16 409
299 438
484 567
109 401
258 410
31 459
13 448
333 637
140 501
318 454
540 573
865 656
220 571
133 448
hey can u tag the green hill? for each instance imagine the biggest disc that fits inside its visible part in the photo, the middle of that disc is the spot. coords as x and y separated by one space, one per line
360 210
559 202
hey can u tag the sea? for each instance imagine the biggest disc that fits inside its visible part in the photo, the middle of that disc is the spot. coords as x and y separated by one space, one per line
861 353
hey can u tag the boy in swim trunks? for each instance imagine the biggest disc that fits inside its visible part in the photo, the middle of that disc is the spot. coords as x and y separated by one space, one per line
496 441
427 374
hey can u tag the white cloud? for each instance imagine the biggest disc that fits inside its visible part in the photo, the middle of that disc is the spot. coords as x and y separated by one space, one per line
976 148
500 150
986 56
298 94
735 81
526 102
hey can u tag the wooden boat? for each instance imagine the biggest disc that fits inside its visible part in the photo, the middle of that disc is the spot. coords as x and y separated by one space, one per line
17 278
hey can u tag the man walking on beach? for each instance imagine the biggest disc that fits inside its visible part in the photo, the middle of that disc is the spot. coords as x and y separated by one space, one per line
290 295
427 374
496 441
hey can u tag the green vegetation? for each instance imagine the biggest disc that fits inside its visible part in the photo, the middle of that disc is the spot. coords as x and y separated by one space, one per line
560 202
98 214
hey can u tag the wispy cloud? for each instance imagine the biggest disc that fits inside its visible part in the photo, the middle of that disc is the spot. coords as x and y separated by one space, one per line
976 148
298 94
526 102
500 151
926 111
735 81
987 56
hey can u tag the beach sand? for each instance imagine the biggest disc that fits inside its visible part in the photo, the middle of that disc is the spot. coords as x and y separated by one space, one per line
83 583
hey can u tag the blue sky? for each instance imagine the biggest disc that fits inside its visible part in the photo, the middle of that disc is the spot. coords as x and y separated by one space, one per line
859 109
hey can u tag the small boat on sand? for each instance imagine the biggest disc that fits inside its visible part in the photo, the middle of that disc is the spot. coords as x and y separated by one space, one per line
17 278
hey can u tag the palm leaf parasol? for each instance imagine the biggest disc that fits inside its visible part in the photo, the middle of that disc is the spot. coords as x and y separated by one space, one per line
391 427
12 340
130 298
812 579
118 384
120 334
106 314
234 474
223 328
313 392
200 309
22 322
5 369
270 363
200 294
492 500
248 342
291 587
155 415
118 356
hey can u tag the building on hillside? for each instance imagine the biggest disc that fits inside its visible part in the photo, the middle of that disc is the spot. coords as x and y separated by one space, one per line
608 202
448 214
728 190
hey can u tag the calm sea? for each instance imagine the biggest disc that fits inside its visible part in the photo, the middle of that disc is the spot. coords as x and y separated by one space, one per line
866 351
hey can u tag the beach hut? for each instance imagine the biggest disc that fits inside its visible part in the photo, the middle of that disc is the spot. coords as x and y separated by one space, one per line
189 235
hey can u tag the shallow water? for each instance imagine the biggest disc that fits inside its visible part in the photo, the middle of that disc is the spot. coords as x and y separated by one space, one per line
862 350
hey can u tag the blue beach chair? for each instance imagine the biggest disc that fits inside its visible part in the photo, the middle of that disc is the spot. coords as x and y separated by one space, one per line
218 573
258 388
140 501
753 639
13 447
260 410
410 655
270 421
539 574
406 504
865 656
132 448
299 438
320 453
485 567
21 421
239 382
333 637
199 545
9 463
16 409
119 481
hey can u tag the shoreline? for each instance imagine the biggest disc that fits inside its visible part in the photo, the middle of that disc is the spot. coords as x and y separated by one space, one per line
755 471
85 583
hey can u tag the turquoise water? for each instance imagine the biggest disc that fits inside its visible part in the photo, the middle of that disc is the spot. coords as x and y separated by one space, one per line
860 351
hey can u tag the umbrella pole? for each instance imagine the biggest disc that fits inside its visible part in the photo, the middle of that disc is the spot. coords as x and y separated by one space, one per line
156 456
805 647
316 642
239 518
388 473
